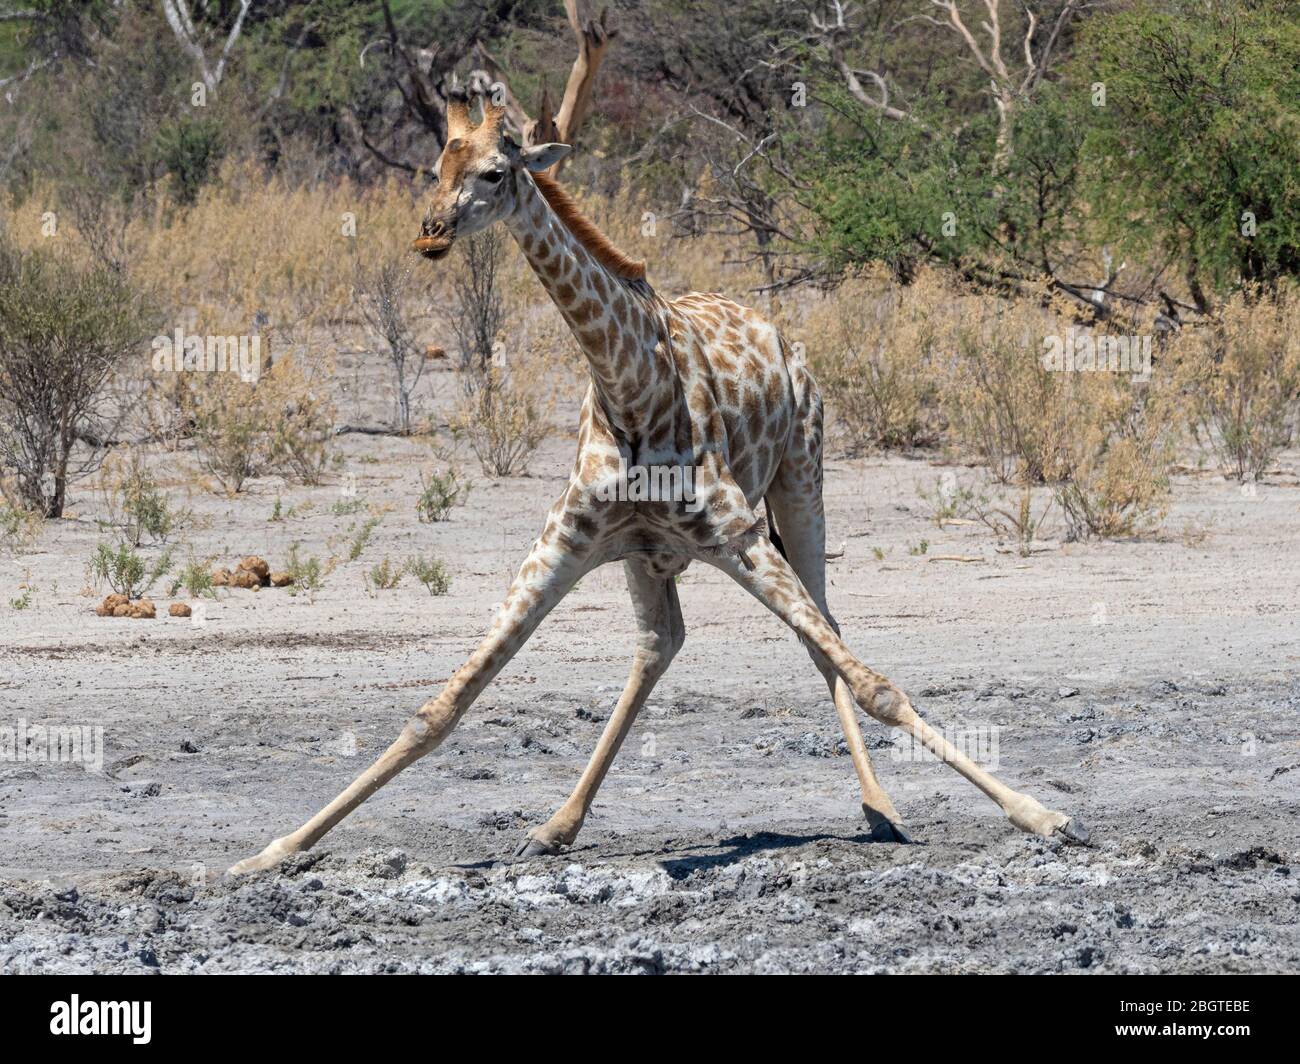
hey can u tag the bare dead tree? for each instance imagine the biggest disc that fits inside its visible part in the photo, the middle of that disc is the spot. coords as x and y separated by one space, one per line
51 35
1011 80
593 37
477 312
191 40
834 32
386 292
736 199
425 77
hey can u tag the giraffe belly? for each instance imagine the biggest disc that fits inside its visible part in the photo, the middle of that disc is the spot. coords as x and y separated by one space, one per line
738 357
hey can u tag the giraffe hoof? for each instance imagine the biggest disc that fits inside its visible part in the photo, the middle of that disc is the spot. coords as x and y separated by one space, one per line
276 852
532 847
882 829
888 831
1073 831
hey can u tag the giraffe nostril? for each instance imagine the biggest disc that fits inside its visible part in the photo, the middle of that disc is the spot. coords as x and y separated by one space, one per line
435 237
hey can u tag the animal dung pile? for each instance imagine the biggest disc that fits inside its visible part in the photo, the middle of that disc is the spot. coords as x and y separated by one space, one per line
121 606
252 573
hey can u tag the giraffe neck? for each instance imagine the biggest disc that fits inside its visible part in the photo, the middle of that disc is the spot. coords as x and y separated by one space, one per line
616 329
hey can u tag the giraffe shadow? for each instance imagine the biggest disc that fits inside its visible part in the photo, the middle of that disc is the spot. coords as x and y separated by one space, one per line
739 847
695 857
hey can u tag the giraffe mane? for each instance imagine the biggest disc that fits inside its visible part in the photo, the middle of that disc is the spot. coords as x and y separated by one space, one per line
585 231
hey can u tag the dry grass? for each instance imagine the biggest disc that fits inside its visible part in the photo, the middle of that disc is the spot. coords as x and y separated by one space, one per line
503 423
1241 377
1003 405
927 365
282 424
252 242
872 347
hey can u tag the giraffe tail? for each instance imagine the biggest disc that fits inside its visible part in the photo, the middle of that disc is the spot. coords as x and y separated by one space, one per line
772 533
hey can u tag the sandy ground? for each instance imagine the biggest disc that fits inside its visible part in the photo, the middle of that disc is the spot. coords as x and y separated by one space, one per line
1149 688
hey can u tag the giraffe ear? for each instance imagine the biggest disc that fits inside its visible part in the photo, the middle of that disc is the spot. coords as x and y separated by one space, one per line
543 156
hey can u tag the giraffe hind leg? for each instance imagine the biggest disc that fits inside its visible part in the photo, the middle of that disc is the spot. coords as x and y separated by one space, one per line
770 579
800 537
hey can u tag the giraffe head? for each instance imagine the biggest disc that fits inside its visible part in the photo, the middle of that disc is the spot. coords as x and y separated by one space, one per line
477 173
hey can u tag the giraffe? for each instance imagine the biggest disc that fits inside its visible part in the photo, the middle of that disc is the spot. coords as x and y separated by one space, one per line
698 385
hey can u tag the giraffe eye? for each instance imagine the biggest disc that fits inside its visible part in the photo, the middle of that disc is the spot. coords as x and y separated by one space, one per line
493 177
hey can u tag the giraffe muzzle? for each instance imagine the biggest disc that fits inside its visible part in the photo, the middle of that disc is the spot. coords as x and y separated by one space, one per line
431 248
435 240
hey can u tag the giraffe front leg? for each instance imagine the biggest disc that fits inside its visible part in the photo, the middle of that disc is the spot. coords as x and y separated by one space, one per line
660 634
546 576
769 578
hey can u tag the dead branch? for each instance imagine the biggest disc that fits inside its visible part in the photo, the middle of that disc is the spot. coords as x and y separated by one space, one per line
178 18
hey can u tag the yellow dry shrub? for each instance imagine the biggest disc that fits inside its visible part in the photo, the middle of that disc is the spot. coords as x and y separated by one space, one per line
506 402
253 241
1241 377
873 347
502 422
1116 491
283 424
1001 402
1116 456
1102 439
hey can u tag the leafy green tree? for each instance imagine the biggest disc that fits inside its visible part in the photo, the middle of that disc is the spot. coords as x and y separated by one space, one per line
903 192
1194 157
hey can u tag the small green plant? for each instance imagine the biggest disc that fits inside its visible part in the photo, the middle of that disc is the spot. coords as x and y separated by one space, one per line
308 574
18 527
281 513
24 600
955 503
919 549
137 507
124 571
347 507
385 576
878 553
362 538
1015 521
196 578
947 500
431 573
440 492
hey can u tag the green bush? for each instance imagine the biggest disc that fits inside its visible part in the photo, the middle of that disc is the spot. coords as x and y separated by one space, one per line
308 573
431 573
65 332
196 579
1199 135
189 149
439 493
124 571
385 576
137 507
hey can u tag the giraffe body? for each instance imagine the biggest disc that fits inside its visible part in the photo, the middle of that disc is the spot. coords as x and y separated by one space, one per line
696 384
